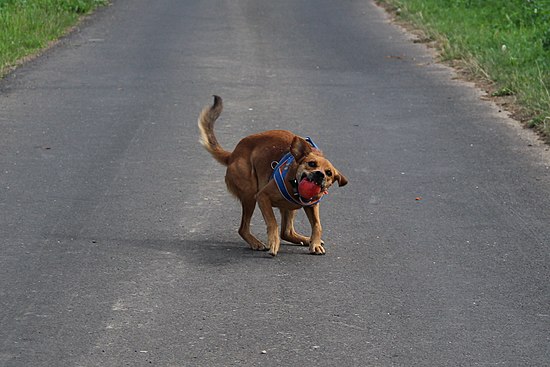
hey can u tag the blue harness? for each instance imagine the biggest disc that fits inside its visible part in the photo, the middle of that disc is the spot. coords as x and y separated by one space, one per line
279 174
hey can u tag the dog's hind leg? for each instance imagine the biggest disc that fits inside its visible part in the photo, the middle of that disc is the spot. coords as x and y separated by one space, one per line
273 238
288 233
244 230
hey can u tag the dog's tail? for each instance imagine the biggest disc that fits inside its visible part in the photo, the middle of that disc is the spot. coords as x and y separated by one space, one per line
207 118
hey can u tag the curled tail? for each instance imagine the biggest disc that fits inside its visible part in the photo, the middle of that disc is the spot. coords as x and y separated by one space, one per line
207 118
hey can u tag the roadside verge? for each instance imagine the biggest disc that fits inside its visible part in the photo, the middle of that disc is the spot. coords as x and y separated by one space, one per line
27 27
504 47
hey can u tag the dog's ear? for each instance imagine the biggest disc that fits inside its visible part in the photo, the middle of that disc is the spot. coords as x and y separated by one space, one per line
299 148
341 179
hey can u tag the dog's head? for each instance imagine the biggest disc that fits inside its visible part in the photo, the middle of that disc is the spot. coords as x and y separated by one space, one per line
312 165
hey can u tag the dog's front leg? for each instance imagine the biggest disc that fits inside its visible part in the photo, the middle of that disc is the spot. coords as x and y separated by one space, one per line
288 233
273 239
315 243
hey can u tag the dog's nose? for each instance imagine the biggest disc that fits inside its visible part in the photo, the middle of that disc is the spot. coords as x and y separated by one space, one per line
318 177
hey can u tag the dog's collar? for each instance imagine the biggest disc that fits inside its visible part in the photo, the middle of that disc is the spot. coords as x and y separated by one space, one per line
280 172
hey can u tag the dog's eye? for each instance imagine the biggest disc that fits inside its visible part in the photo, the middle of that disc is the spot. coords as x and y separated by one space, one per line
312 164
328 173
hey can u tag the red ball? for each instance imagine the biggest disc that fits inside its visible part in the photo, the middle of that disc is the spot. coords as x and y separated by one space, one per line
308 189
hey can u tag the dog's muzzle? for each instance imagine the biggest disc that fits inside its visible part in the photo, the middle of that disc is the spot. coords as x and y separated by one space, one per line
317 177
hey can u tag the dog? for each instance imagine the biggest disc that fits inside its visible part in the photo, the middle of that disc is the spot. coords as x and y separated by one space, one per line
256 173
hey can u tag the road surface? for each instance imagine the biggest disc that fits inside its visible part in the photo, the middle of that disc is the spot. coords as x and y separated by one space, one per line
119 243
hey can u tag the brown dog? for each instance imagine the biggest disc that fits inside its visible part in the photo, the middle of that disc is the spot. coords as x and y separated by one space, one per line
249 176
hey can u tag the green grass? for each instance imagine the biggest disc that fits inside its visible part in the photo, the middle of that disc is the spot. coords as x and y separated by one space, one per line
506 42
27 26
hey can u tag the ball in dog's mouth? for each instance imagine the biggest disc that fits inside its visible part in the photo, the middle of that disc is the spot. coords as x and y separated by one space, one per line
308 189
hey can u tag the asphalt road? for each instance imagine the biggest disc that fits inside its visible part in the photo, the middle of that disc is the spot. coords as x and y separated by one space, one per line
119 243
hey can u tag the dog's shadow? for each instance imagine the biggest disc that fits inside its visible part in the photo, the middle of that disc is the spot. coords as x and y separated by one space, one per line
213 250
216 252
220 252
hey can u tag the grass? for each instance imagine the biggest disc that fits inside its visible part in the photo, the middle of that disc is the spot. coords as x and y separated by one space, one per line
27 26
505 44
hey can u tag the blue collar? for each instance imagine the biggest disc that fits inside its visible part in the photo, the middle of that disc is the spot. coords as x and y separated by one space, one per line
279 174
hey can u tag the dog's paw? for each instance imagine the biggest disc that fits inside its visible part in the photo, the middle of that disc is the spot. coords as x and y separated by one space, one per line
317 249
258 246
274 247
309 244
